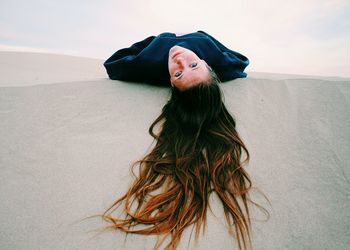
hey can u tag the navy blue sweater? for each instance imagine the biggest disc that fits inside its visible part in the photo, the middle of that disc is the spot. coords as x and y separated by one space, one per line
147 60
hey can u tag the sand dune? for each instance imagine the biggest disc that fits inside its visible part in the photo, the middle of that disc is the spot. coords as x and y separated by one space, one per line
68 135
27 68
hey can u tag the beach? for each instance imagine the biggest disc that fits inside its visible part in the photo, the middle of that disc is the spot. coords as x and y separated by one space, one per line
68 136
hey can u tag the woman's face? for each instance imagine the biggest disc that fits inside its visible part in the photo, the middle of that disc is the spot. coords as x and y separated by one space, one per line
186 68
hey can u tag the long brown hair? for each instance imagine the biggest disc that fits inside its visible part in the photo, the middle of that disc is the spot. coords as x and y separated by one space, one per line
197 151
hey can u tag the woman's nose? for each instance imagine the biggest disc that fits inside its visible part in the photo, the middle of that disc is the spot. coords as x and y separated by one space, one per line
179 60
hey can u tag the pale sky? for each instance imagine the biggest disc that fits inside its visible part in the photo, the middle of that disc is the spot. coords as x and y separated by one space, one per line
310 37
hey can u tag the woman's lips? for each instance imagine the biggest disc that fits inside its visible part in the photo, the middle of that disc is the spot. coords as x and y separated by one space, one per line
175 51
175 54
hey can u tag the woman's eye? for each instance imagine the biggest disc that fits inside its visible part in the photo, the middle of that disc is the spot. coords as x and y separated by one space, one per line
177 74
192 65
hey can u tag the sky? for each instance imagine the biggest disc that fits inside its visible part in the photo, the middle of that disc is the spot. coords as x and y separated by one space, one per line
310 37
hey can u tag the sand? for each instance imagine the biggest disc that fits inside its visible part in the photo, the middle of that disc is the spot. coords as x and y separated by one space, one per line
68 136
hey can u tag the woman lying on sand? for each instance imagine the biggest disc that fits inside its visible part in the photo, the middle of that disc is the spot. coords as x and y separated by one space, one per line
198 150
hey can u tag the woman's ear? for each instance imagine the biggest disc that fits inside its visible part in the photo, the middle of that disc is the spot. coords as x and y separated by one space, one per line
207 65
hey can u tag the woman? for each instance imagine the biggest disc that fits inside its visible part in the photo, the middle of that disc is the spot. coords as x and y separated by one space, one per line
147 61
198 150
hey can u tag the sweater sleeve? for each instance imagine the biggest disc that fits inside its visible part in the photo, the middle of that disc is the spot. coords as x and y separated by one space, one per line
235 62
115 64
220 45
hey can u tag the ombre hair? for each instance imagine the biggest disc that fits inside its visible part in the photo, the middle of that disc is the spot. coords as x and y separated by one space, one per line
197 151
